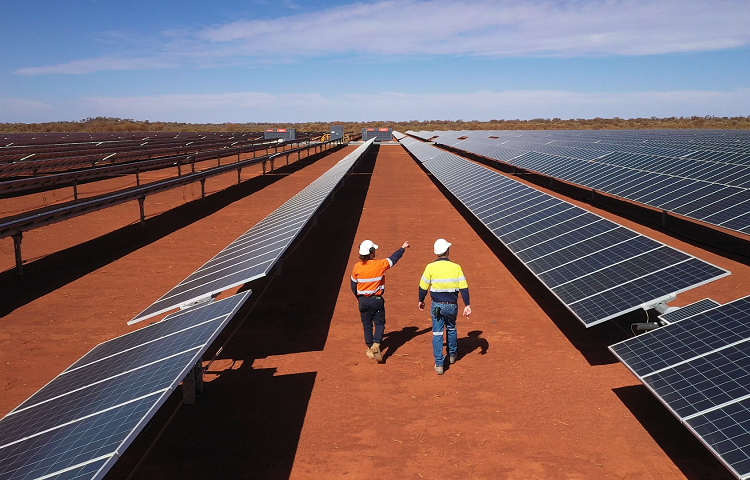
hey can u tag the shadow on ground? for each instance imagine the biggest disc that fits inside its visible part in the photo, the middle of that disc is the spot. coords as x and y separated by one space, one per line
247 423
73 263
686 451
591 342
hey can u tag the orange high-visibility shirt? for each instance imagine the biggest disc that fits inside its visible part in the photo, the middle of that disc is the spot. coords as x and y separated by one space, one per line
369 276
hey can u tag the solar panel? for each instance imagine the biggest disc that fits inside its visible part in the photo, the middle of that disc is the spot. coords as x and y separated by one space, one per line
700 175
597 268
688 310
699 368
78 424
686 339
255 253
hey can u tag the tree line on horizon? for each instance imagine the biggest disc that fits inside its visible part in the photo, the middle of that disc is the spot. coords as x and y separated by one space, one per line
109 124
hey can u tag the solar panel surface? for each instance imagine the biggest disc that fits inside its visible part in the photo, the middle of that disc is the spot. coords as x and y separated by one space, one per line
699 368
597 268
689 310
255 253
75 426
704 175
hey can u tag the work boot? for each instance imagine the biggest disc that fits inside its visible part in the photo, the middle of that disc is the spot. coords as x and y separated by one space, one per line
439 369
370 354
452 360
375 349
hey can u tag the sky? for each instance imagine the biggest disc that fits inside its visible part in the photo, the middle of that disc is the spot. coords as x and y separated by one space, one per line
293 61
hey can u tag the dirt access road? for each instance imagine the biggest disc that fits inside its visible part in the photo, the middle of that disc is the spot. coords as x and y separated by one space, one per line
533 395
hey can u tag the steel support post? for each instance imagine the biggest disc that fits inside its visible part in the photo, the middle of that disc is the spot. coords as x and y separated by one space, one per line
141 204
203 188
664 216
239 176
19 258
137 178
75 190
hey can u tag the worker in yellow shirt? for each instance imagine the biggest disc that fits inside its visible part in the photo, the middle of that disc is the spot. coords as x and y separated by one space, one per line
444 280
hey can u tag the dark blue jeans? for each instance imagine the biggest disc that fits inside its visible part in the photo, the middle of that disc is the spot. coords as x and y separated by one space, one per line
372 310
444 317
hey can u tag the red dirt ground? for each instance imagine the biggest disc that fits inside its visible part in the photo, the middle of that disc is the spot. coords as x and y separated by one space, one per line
534 395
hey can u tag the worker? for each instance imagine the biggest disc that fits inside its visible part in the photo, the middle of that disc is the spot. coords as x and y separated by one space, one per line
368 285
444 280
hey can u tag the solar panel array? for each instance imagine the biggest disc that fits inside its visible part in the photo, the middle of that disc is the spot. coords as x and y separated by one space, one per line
699 368
597 268
254 253
700 174
688 310
79 424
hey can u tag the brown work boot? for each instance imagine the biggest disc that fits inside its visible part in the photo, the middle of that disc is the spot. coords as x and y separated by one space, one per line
377 355
370 354
439 370
452 360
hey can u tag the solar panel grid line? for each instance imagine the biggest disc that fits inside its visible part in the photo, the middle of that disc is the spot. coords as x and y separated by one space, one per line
725 433
71 369
87 427
589 254
691 359
447 175
688 311
211 279
85 417
533 244
82 470
704 384
576 293
569 214
688 338
27 404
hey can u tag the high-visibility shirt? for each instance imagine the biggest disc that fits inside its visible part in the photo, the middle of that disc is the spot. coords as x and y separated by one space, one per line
444 280
368 276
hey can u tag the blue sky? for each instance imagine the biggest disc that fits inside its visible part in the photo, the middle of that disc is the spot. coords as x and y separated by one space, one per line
286 61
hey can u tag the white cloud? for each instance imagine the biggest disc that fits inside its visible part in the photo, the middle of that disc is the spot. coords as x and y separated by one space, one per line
91 65
498 28
483 105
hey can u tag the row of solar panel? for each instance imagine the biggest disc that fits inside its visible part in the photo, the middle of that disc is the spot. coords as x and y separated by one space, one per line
254 253
77 425
736 143
597 268
711 192
699 367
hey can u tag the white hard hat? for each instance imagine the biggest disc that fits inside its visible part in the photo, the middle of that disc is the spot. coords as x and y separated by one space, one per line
441 246
364 247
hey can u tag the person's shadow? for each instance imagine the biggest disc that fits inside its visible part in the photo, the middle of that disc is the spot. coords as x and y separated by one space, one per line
393 340
471 342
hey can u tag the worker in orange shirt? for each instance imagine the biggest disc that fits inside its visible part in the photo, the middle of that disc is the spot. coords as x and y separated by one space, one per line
368 285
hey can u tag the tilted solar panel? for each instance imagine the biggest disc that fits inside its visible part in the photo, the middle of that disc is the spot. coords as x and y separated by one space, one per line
78 425
597 268
699 368
665 170
689 310
254 253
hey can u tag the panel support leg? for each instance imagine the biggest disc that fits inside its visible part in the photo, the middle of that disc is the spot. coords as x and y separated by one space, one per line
239 176
287 159
141 204
19 258
193 384
179 170
664 216
75 190
137 178
203 188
